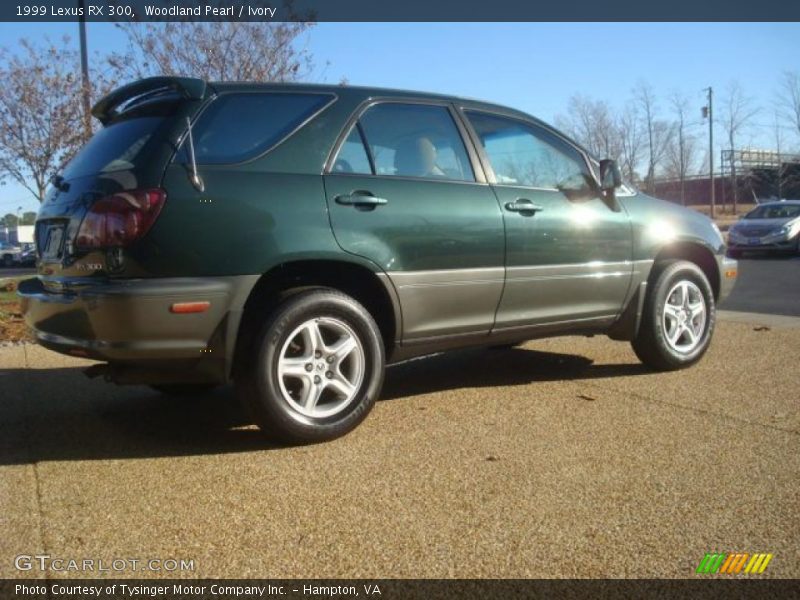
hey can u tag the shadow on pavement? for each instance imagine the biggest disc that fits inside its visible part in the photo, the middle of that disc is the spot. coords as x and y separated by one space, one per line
58 414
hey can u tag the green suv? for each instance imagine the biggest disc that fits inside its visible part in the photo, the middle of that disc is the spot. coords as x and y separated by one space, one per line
294 239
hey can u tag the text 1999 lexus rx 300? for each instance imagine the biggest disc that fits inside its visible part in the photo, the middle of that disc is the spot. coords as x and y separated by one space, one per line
294 239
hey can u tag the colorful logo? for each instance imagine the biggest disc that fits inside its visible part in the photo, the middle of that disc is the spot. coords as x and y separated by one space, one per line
732 564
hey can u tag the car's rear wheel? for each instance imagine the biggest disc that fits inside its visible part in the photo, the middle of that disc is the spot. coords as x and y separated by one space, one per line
315 369
678 318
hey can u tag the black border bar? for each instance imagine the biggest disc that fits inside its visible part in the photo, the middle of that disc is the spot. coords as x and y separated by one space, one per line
401 10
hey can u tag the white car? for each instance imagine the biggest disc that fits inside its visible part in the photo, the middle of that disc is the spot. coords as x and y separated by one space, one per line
9 254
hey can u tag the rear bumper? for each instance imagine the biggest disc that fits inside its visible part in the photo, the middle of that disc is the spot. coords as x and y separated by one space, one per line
728 272
130 321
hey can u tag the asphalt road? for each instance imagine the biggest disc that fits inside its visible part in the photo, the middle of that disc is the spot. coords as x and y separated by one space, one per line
564 458
767 284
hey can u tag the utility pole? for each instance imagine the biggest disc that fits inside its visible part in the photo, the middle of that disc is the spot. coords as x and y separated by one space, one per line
86 91
710 113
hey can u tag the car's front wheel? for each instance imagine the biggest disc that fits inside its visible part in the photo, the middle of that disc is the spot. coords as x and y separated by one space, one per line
315 369
678 318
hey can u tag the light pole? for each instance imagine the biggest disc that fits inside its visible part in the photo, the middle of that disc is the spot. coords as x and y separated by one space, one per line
708 111
87 108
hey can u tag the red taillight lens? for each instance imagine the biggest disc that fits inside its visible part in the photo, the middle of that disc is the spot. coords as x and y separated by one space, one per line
120 219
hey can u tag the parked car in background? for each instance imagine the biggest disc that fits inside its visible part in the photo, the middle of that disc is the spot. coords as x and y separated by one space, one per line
353 227
771 226
9 254
27 255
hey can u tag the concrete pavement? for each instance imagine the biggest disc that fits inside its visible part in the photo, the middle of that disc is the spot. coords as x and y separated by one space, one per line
564 458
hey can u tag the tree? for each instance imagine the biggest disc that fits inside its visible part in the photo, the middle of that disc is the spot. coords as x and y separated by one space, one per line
682 149
657 133
28 218
592 124
737 110
217 51
630 136
789 98
40 111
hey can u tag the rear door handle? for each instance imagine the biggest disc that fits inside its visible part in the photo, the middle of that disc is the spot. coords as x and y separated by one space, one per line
523 205
360 198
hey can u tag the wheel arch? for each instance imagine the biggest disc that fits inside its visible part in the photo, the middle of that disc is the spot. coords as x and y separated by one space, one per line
373 290
693 252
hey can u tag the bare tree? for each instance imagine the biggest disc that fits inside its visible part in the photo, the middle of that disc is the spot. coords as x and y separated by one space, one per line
789 98
737 110
41 117
682 150
217 51
630 137
592 124
657 133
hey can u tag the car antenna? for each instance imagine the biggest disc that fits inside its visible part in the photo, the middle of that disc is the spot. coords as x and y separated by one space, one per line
196 181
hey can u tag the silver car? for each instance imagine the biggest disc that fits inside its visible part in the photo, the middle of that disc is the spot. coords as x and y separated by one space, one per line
772 226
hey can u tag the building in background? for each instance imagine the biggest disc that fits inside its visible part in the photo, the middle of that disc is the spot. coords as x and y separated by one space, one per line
22 234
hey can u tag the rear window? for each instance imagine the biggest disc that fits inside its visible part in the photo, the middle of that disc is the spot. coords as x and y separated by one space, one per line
114 148
239 127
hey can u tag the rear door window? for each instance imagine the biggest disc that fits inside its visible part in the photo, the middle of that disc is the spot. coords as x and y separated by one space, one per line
415 140
239 127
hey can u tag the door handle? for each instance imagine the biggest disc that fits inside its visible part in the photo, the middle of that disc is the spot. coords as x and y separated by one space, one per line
523 205
360 198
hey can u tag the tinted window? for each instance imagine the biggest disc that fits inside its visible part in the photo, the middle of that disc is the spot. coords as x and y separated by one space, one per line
523 155
114 147
414 140
238 127
352 157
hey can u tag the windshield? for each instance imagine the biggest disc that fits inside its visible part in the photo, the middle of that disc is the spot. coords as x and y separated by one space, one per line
775 211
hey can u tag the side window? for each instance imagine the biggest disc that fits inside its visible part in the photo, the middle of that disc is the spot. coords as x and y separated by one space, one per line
352 157
415 140
524 155
238 127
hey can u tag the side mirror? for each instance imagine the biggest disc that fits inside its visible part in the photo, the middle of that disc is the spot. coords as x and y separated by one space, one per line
610 177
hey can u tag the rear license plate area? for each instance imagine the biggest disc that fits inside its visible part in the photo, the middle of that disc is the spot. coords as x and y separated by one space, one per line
52 242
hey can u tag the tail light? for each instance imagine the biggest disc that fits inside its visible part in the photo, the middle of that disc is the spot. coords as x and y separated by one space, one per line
120 219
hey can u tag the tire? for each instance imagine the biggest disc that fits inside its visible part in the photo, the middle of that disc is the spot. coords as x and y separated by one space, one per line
183 389
673 281
295 384
8 261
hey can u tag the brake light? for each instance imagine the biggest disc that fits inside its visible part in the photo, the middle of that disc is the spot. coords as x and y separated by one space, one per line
120 219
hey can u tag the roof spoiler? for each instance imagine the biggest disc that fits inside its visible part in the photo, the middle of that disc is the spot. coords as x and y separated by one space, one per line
193 89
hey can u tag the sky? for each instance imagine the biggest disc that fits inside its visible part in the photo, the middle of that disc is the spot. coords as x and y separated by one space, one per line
535 67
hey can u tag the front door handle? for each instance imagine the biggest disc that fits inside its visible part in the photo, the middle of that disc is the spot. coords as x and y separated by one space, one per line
523 205
360 198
